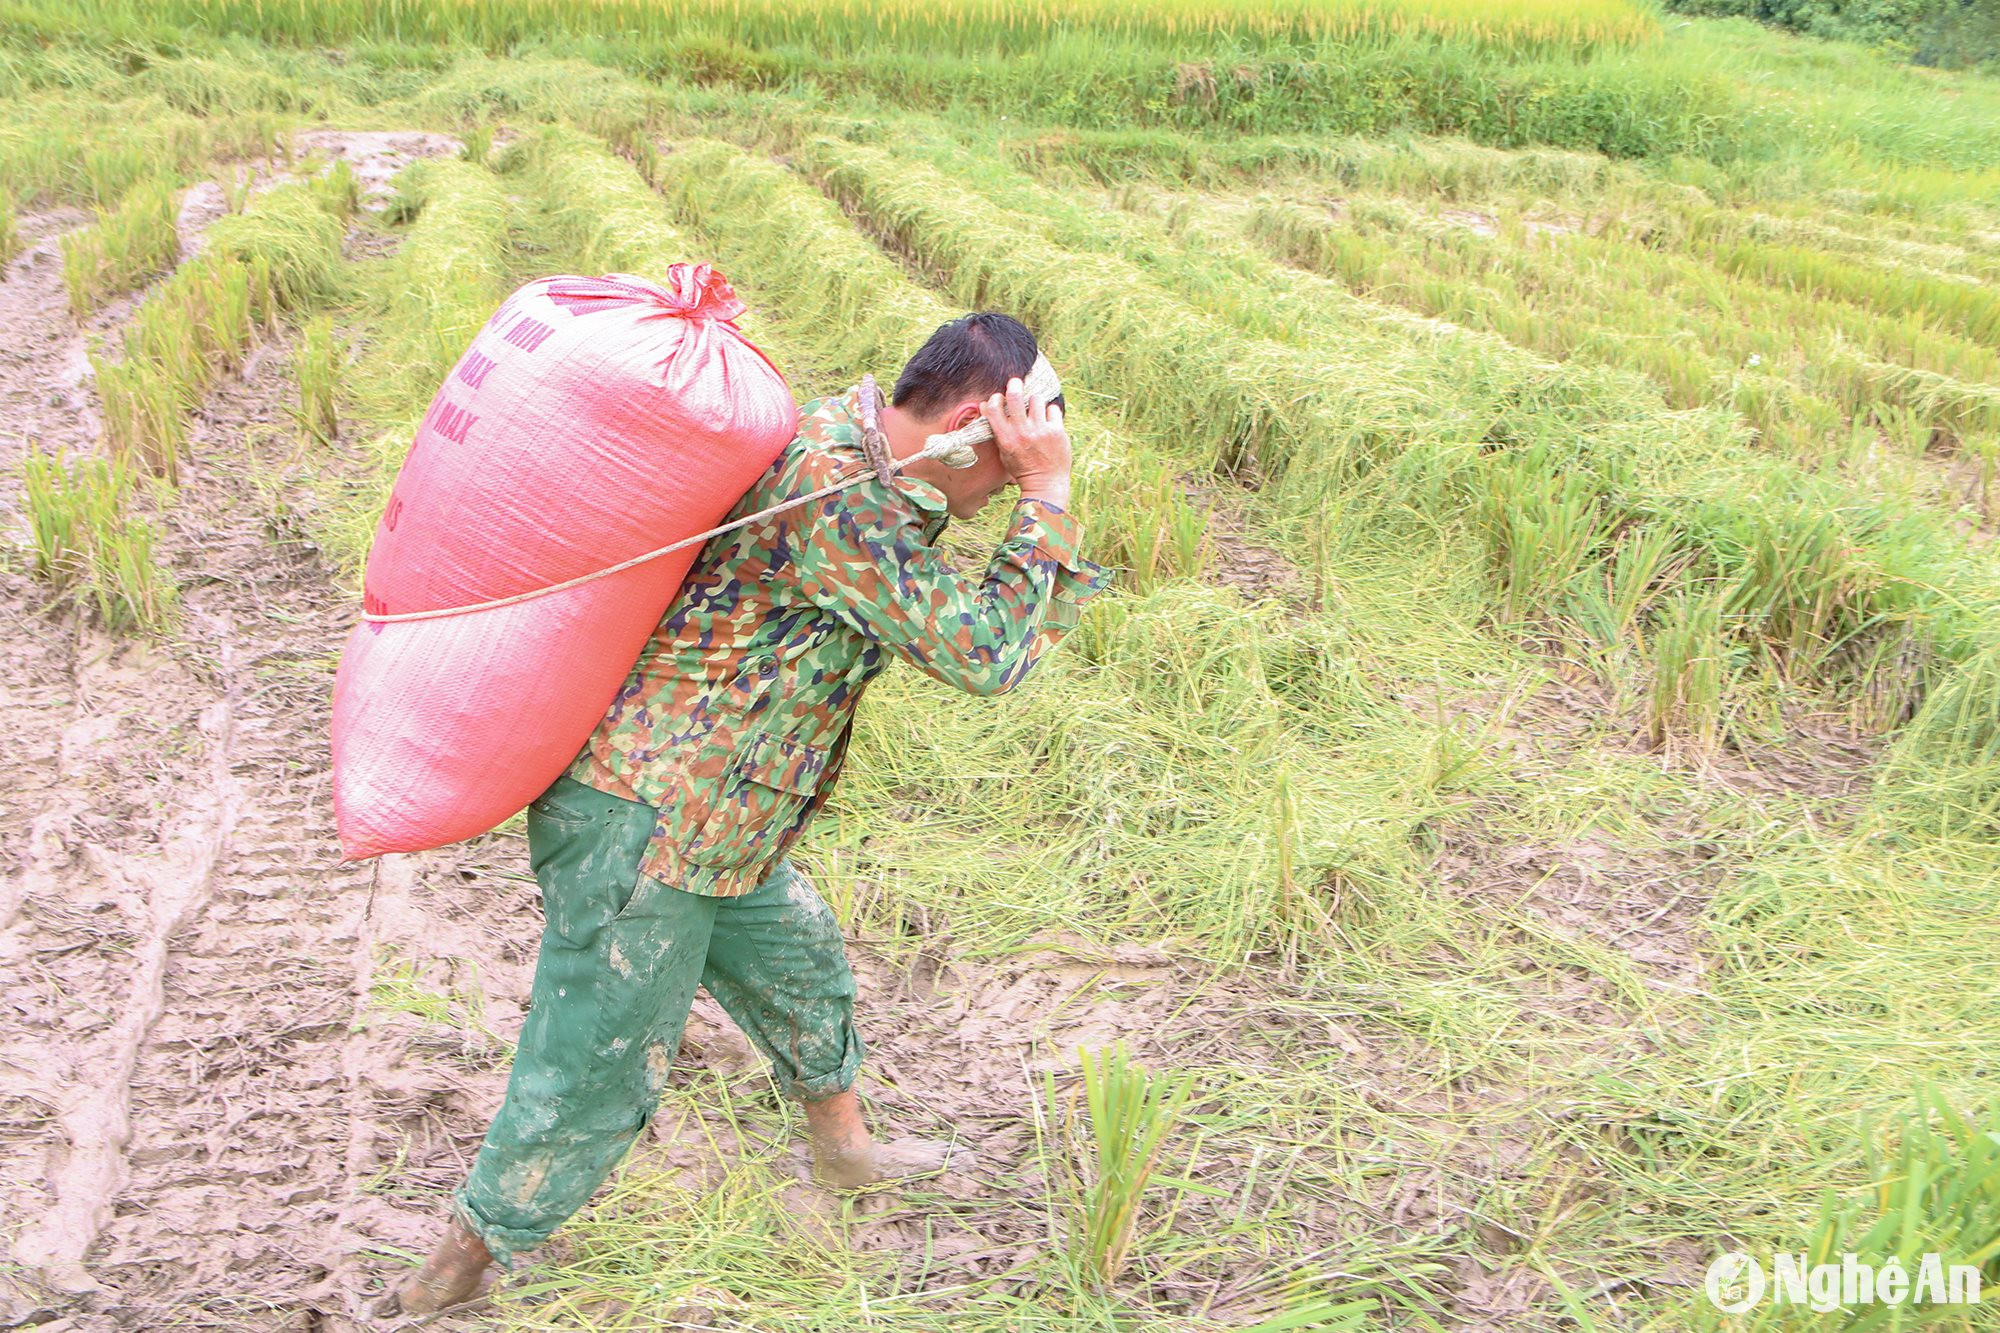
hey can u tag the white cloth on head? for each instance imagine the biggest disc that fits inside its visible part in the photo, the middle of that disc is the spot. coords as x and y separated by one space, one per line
954 448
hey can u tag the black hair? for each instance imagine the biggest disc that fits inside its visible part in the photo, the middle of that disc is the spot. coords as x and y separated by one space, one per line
971 357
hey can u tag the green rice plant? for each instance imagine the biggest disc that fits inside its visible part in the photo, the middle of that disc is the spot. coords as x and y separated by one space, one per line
1689 326
1942 777
87 542
1691 670
109 172
1546 528
219 88
1940 408
86 147
10 231
145 415
203 331
93 151
1353 66
236 184
282 254
642 152
1891 670
1527 27
1153 735
59 517
423 306
168 334
1836 947
477 144
127 245
1799 585
448 275
1937 1190
1821 232
228 320
1985 449
316 368
1187 535
1821 592
1142 522
1864 629
484 91
127 585
1316 390
337 189
1972 309
1131 1113
296 231
56 66
1449 169
1610 602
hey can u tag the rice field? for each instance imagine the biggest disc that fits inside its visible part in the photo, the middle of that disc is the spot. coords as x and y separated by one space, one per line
1524 822
1527 26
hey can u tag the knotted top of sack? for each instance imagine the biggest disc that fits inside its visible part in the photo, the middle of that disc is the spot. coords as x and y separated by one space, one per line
690 291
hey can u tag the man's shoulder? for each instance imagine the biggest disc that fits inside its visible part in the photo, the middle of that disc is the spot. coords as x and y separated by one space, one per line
822 448
827 449
826 445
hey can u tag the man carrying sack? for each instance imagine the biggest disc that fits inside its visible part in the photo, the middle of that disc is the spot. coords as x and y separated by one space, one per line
661 853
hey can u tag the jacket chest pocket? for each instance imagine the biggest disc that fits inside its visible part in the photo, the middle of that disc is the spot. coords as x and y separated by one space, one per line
758 799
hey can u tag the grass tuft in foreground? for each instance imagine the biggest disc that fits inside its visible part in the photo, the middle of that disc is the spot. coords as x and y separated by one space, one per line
316 368
88 543
1132 1113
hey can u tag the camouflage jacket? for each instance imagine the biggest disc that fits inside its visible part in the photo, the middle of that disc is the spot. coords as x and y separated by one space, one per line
734 722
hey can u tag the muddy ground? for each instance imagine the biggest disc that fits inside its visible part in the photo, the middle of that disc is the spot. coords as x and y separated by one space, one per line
196 1091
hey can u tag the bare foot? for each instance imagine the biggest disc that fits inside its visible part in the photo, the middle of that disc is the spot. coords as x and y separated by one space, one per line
846 1157
452 1274
882 1163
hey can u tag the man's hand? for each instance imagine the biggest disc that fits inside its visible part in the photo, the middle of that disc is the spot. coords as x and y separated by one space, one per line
1034 447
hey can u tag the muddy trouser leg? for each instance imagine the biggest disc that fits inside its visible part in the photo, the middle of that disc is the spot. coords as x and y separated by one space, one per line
620 958
777 964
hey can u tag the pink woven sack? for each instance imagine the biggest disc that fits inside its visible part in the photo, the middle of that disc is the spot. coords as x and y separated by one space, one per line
592 420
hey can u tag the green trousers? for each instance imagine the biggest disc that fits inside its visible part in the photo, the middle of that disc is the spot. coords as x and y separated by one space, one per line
620 959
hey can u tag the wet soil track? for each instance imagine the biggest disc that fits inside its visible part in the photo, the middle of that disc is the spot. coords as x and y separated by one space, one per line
204 1120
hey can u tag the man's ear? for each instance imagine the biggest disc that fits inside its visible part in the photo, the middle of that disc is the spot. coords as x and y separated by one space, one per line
961 416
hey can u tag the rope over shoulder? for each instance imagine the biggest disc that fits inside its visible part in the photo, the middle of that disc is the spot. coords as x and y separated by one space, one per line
954 449
874 443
